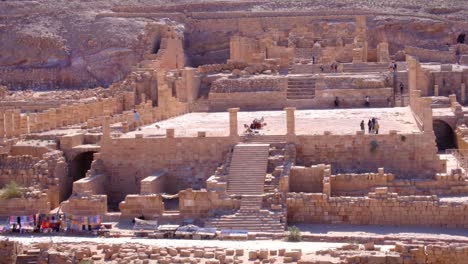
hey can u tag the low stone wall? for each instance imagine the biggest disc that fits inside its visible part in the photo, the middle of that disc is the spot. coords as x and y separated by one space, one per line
380 208
358 184
85 205
94 184
246 85
154 183
25 206
198 204
248 100
150 206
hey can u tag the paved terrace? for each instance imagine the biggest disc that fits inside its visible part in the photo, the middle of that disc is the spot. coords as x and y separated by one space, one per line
308 122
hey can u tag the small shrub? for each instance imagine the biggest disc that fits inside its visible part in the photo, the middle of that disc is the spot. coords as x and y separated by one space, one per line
11 190
294 234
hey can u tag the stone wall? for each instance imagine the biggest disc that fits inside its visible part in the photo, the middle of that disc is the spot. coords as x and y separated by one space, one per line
200 204
358 184
25 206
189 161
427 55
380 208
85 205
9 250
17 168
416 153
150 206
307 179
246 85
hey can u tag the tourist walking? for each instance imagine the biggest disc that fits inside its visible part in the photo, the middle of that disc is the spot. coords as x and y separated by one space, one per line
362 126
369 125
136 119
376 127
367 101
402 87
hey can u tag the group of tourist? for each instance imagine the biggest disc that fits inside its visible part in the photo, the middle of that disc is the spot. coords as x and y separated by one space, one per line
333 67
372 125
393 66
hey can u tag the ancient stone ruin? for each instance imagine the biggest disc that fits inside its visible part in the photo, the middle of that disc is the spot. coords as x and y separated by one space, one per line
246 115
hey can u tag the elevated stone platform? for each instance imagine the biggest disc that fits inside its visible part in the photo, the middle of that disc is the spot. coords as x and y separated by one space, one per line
308 122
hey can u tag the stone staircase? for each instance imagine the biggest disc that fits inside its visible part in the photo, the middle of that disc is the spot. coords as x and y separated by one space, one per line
300 88
263 139
248 169
31 256
250 217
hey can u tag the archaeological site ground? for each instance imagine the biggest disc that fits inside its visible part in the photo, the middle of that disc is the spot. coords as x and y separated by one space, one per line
150 131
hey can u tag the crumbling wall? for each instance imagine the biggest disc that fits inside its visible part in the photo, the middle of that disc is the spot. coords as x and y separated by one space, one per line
417 153
306 179
380 208
29 204
200 204
428 55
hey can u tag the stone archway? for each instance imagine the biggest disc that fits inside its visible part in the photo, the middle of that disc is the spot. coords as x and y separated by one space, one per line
445 137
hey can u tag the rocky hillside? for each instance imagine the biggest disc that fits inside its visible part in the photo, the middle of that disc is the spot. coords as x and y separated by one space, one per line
67 44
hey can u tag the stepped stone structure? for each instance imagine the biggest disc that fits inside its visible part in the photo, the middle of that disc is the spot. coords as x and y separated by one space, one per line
240 116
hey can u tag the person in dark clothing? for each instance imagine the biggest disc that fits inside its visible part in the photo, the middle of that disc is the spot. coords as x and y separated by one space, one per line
313 59
401 88
367 101
369 125
337 102
362 126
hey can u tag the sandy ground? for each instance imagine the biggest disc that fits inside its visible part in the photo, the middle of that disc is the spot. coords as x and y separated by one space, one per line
325 231
308 122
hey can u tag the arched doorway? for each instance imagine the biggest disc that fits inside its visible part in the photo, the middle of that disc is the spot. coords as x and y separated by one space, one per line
77 168
80 165
445 138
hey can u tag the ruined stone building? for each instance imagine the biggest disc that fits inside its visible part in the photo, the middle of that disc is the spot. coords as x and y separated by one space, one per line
195 77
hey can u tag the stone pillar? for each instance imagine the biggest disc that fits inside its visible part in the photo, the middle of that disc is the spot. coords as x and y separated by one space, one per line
290 121
2 125
17 122
436 90
463 93
8 123
53 118
233 129
106 128
412 73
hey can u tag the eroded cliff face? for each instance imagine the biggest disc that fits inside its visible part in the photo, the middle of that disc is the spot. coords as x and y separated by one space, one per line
74 44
